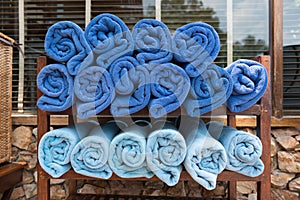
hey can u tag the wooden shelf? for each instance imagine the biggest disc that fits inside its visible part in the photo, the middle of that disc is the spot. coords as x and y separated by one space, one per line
130 197
184 176
261 112
222 110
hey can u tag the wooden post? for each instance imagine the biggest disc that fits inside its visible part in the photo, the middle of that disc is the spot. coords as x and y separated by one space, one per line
43 121
264 131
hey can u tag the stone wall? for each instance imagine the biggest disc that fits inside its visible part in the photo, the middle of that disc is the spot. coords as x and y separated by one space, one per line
285 174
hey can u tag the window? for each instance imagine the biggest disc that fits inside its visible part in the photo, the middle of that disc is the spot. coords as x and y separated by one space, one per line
291 56
27 22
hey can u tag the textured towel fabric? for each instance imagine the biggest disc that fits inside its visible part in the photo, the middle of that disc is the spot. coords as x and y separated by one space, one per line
109 38
206 157
208 91
65 42
94 90
55 148
56 84
132 86
166 150
90 156
196 45
250 81
152 41
169 88
127 155
243 149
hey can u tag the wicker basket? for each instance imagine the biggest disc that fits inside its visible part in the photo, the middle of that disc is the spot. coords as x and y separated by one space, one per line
6 52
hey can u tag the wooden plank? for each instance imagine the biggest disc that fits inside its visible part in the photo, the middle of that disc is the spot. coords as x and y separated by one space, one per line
43 120
184 176
10 175
276 49
264 131
241 121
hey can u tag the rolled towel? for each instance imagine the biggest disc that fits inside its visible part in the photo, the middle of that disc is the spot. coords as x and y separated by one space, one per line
94 90
65 42
56 84
206 157
109 38
208 91
55 148
166 150
127 156
90 156
250 81
243 149
153 41
132 86
196 45
169 88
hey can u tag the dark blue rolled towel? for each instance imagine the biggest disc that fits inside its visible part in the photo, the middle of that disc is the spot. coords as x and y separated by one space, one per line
94 90
65 42
170 86
196 45
153 41
208 91
250 81
56 84
109 38
132 86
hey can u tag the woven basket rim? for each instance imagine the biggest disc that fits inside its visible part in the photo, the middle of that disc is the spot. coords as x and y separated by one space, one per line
7 37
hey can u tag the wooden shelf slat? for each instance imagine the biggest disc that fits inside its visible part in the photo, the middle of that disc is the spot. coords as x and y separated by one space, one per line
184 176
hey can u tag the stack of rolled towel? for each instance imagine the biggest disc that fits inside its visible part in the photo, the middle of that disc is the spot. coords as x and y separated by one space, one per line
107 65
144 149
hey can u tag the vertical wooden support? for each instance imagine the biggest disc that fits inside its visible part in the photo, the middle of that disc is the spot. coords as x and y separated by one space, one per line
276 50
43 121
264 132
232 193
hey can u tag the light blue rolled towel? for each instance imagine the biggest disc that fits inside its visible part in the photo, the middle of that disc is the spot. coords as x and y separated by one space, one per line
169 87
127 155
195 45
206 157
90 155
56 84
132 86
208 91
250 81
109 38
94 90
166 150
65 42
243 149
55 148
153 41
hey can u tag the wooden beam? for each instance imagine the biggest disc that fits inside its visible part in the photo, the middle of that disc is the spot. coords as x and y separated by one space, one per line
276 51
241 121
